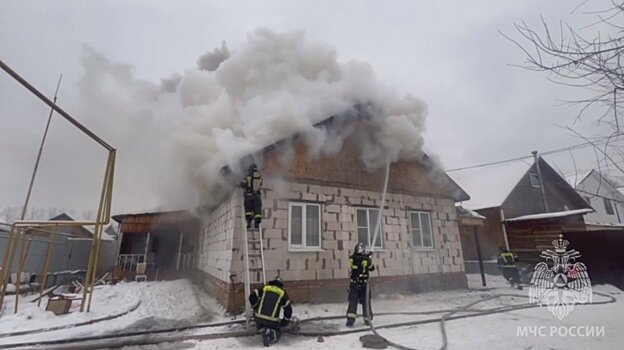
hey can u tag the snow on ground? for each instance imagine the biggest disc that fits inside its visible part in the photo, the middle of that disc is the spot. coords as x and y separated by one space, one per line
502 330
163 304
166 304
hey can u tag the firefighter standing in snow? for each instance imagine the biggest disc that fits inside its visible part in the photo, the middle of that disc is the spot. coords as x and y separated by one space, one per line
253 199
507 264
267 303
360 264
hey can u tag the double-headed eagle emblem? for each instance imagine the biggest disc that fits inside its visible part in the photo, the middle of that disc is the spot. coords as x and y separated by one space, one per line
561 281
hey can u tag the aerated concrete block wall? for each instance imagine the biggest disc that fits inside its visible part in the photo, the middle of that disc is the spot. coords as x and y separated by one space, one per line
338 233
322 274
217 239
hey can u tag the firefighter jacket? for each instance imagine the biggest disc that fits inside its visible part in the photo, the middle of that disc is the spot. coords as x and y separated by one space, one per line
268 302
252 183
360 265
507 259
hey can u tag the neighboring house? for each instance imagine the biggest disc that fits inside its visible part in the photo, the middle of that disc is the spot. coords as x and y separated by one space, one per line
511 198
165 241
602 245
71 251
603 196
317 208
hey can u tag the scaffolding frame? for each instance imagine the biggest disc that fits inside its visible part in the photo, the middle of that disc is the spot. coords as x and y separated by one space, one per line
20 228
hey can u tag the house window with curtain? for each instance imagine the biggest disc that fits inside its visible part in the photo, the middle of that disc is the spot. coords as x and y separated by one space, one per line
304 226
366 224
420 226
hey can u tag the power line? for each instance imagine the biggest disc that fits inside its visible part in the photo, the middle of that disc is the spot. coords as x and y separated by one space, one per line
579 146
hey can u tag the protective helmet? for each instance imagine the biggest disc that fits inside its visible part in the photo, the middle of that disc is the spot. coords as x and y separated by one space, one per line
277 281
252 167
360 248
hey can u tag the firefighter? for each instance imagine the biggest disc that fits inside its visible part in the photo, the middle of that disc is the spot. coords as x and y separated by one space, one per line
267 303
251 185
507 264
360 263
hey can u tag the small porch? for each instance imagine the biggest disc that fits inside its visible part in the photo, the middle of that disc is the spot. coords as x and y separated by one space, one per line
160 243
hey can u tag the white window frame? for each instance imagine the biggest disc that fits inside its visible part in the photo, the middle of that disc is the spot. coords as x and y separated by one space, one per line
411 231
303 245
369 230
608 204
534 180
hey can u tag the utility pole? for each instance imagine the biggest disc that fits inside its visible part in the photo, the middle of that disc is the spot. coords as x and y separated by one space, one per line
541 181
479 256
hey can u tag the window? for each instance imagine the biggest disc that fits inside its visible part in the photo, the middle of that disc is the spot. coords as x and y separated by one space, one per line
608 206
366 223
304 225
534 180
422 234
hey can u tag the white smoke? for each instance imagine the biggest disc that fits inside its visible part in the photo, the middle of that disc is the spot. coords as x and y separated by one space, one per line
234 103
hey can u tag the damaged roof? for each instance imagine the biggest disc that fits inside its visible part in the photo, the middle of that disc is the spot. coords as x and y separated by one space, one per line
455 190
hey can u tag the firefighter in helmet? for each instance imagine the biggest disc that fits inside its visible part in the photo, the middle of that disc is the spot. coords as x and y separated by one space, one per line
267 303
507 264
251 185
360 263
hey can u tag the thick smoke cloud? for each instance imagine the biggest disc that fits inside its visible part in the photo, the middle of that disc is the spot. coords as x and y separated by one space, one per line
177 134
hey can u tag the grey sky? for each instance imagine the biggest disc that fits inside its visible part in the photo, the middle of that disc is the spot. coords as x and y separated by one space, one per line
447 53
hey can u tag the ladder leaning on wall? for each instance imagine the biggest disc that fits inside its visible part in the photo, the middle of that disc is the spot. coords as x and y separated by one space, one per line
253 257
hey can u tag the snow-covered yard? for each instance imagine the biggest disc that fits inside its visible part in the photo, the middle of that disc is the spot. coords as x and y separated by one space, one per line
166 304
160 304
496 331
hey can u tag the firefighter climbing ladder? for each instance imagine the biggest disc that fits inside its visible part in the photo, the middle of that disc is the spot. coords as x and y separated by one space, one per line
253 261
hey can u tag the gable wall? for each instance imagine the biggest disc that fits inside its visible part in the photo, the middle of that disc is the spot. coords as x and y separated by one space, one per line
526 199
594 184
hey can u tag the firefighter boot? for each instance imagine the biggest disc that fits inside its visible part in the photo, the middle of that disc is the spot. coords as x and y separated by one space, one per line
266 337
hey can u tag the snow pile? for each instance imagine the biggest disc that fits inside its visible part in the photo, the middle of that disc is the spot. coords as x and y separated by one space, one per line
551 215
468 213
163 304
107 300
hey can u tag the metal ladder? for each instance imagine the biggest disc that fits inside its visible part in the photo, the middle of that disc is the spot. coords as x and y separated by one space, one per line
253 257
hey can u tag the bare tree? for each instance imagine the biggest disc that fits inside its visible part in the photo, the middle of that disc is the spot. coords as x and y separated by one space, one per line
587 58
10 213
575 58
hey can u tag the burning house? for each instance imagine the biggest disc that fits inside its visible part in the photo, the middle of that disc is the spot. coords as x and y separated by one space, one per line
316 208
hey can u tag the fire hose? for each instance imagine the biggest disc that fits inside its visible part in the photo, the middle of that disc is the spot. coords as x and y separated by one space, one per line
150 337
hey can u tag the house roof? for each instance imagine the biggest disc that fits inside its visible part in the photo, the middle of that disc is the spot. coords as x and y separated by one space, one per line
557 214
178 215
108 234
615 192
457 192
491 186
575 179
467 213
76 230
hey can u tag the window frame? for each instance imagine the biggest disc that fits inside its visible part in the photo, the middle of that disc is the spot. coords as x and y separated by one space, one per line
303 246
536 183
608 205
368 233
411 230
